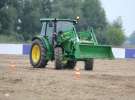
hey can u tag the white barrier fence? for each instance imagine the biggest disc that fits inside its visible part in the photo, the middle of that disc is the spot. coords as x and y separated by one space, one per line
24 49
11 48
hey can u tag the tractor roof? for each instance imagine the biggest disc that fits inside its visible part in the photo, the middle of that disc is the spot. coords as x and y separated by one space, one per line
55 19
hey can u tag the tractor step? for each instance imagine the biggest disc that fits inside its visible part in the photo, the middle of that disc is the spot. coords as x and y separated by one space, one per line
87 51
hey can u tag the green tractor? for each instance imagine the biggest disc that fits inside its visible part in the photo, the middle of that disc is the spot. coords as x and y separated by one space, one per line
60 42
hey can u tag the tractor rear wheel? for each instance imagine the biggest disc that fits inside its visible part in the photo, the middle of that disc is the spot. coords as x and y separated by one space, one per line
37 54
89 64
71 64
58 58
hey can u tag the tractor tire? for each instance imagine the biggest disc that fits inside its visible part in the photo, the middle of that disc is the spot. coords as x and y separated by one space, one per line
71 64
89 64
37 54
58 58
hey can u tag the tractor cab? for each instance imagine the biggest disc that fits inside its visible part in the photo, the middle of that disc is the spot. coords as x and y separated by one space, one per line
50 26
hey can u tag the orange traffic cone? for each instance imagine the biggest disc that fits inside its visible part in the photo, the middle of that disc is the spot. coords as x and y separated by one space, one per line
77 74
13 66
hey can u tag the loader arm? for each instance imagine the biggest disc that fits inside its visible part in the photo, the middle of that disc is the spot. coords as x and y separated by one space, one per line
87 47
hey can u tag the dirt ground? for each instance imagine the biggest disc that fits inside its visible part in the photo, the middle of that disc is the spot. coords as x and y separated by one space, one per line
110 80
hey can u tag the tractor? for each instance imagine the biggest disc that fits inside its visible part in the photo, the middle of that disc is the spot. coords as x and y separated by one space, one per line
60 42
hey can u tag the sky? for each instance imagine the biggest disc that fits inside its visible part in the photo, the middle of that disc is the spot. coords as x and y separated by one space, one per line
121 8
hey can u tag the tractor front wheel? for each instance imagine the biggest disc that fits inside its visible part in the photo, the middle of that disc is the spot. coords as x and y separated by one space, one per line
37 54
58 58
89 64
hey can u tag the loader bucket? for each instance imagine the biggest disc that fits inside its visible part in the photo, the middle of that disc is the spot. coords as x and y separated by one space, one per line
87 51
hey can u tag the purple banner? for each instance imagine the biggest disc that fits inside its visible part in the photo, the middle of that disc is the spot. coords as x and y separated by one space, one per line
130 53
26 49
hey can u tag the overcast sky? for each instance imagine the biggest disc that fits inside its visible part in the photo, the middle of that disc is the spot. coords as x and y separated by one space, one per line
123 8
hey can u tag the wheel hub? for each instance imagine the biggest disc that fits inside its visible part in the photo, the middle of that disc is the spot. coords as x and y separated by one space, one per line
36 53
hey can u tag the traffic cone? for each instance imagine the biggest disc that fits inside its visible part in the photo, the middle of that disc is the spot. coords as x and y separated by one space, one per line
12 66
77 74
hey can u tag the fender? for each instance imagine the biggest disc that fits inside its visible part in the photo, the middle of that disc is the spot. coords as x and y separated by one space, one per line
46 44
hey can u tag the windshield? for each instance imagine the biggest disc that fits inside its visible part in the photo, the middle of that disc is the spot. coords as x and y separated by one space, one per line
64 26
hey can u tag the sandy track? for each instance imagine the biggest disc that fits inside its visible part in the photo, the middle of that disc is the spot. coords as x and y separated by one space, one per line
110 80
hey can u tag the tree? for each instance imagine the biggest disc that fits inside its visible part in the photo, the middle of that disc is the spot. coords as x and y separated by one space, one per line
7 18
2 3
22 18
46 8
29 19
93 14
131 39
66 9
2 14
115 33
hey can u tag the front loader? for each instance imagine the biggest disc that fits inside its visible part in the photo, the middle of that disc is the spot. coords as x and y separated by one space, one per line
60 42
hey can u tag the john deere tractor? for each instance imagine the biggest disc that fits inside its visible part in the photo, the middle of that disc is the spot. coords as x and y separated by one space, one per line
60 42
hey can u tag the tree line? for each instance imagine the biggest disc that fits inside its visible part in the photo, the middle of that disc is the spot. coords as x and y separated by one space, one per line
19 19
